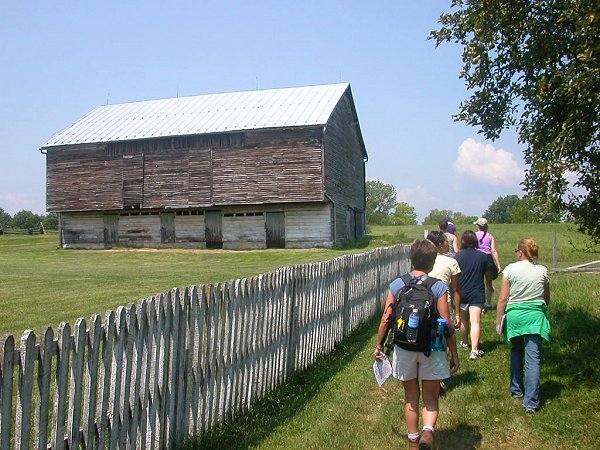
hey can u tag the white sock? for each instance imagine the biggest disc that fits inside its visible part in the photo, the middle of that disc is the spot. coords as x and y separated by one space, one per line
413 436
428 428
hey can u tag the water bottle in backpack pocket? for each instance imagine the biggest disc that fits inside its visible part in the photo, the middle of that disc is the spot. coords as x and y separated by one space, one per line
414 314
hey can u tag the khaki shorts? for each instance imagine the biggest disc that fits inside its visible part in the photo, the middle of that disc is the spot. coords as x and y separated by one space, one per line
409 365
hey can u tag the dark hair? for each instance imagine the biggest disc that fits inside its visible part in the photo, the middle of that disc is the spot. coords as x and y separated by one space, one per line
437 237
468 240
443 224
422 255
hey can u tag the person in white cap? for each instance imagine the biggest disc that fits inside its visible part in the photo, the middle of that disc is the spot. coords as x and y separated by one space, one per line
487 245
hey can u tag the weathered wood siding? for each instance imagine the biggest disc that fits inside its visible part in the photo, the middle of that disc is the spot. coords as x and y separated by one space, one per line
137 230
189 227
345 170
83 178
83 229
308 226
272 166
243 230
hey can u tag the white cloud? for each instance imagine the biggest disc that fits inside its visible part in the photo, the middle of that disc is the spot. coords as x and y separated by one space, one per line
487 164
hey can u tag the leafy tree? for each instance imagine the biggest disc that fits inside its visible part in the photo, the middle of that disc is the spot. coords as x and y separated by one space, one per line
460 218
535 65
435 215
381 198
500 211
404 214
51 221
5 219
523 211
26 220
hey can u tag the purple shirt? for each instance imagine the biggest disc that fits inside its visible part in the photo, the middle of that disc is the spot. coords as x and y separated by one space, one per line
485 242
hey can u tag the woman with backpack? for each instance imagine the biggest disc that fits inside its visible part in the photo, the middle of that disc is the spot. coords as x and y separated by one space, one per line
411 366
524 296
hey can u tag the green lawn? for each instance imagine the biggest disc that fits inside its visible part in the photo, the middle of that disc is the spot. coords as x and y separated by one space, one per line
42 285
337 403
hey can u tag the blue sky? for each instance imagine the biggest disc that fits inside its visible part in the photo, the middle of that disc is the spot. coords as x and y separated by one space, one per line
59 60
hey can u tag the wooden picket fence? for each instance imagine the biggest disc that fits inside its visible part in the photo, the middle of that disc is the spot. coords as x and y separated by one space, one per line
173 365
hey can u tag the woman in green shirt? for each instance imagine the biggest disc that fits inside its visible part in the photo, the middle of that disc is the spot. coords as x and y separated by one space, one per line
525 296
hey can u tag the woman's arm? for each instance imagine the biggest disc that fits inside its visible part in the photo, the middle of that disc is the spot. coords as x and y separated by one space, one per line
495 254
456 298
384 325
454 243
444 312
547 293
502 299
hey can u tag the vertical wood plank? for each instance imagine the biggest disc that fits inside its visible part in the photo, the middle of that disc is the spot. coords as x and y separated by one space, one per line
108 337
61 386
26 365
90 395
125 405
76 383
116 374
7 358
46 355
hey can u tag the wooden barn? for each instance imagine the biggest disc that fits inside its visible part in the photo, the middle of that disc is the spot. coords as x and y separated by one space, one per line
259 169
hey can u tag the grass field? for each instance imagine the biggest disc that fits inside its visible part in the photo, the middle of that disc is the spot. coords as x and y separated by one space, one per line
337 403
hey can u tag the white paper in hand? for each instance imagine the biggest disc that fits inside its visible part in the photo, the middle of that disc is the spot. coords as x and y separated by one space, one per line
382 370
501 327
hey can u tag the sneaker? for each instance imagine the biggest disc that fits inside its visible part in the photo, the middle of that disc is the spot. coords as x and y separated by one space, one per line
489 307
426 442
529 410
463 345
475 354
513 395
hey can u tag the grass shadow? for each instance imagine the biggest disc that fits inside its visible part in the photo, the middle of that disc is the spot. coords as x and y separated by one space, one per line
461 379
462 437
573 353
247 429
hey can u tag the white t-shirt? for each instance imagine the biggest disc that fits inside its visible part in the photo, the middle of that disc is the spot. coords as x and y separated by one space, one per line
444 268
527 281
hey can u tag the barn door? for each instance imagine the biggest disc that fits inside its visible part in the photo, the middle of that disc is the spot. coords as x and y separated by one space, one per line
213 229
111 229
167 227
275 227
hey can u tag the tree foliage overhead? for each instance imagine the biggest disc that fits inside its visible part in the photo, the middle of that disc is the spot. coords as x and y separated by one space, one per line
535 65
381 198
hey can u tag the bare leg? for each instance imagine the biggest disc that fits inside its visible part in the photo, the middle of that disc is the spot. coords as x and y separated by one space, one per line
464 325
431 393
475 322
411 406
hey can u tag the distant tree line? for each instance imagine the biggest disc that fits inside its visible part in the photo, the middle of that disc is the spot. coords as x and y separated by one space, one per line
382 209
26 220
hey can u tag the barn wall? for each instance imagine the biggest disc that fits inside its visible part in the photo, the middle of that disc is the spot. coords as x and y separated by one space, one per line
190 228
82 230
306 225
345 171
266 166
136 230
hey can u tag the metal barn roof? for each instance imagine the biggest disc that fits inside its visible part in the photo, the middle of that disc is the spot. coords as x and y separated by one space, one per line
213 113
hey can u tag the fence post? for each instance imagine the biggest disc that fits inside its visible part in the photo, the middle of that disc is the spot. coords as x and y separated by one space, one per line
554 250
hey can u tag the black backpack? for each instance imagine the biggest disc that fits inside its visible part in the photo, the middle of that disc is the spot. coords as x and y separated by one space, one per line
415 294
